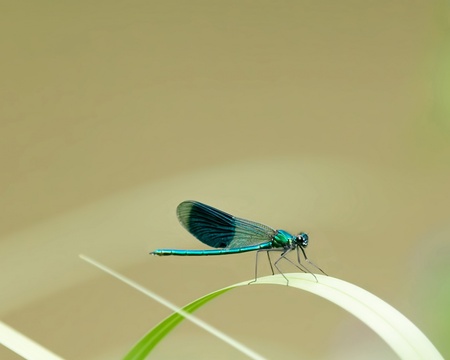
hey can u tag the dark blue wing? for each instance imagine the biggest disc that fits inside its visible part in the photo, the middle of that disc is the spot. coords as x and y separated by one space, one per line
218 229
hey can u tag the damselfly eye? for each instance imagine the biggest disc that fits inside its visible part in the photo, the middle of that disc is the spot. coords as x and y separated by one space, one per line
303 239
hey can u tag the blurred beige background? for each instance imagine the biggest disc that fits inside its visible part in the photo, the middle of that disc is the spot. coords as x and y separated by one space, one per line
326 117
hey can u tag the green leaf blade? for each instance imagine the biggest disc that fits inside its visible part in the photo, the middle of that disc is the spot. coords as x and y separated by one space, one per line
405 339
144 346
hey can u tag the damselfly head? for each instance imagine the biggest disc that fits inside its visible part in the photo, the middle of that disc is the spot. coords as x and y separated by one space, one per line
302 239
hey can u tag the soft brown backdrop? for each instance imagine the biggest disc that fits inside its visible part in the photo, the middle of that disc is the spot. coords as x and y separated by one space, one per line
327 117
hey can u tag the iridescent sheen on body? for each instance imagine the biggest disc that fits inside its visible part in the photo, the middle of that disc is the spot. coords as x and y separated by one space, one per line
228 234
